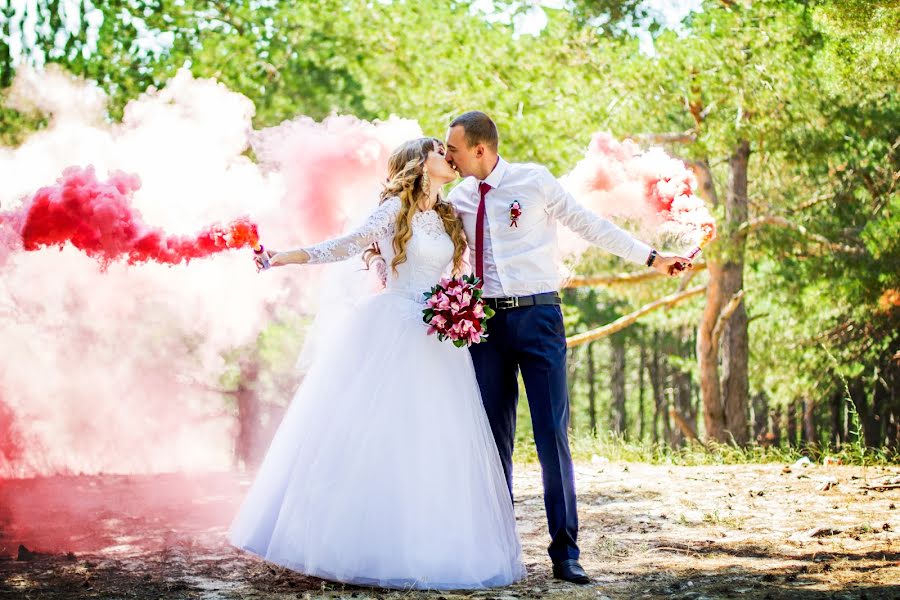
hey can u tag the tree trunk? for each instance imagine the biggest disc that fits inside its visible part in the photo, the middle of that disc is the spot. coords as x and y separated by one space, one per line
859 427
810 438
837 419
866 411
642 418
657 381
725 398
777 426
708 356
735 341
874 434
892 437
618 383
248 446
792 423
682 385
665 382
883 403
656 384
592 389
673 435
760 417
571 372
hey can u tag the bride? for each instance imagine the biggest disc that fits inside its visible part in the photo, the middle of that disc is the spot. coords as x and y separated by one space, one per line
384 470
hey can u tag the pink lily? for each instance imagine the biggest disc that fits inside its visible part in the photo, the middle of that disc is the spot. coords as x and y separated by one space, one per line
465 326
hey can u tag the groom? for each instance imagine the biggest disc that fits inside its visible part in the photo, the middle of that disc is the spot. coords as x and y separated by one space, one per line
509 211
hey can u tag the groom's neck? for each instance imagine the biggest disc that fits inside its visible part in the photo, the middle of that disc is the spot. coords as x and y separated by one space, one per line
487 163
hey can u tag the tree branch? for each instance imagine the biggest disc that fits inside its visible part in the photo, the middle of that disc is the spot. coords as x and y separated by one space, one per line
620 278
684 426
812 202
706 186
683 137
629 319
756 222
724 316
686 279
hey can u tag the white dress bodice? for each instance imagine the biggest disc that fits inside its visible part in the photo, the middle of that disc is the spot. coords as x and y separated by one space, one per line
428 252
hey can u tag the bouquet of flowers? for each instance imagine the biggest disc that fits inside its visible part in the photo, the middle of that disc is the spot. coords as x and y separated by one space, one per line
454 310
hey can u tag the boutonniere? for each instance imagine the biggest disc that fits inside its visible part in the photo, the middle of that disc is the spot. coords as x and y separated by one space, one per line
515 211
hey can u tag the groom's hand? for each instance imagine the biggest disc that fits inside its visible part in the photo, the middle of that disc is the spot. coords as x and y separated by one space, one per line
670 264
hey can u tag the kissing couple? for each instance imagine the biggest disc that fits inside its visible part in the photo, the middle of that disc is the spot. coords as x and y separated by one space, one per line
393 464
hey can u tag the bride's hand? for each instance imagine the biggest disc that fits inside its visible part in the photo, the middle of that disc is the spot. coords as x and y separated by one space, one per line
277 259
293 257
258 259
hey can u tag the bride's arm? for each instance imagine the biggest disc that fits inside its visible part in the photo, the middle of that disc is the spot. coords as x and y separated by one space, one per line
378 225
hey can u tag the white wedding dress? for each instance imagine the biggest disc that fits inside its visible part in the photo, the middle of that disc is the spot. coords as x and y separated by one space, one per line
384 470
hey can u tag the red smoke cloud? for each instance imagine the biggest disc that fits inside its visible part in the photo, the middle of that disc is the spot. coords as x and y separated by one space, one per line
619 179
98 218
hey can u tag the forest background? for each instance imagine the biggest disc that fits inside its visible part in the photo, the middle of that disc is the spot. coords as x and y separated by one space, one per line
787 112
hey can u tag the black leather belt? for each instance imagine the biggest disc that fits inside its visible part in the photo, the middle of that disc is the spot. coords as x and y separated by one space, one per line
517 301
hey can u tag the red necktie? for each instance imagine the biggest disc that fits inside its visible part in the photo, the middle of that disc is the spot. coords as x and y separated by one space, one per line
484 188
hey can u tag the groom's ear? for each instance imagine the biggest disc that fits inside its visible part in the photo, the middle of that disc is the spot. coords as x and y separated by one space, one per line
479 150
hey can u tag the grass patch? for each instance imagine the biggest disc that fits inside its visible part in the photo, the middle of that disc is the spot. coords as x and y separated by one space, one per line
714 518
617 449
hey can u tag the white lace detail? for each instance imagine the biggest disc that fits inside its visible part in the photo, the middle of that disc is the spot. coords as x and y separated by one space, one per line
429 223
378 226
428 256
428 252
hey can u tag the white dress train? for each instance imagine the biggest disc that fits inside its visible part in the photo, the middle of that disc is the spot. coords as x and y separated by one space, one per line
384 470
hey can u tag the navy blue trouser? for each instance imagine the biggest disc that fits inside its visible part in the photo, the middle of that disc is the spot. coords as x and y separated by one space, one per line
532 338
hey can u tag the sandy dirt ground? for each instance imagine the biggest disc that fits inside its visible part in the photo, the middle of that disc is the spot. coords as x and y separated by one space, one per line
647 531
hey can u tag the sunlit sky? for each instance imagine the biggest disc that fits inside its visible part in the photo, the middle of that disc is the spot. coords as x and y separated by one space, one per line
532 22
529 22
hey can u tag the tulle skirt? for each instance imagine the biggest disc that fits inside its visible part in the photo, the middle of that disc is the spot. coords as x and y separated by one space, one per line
384 471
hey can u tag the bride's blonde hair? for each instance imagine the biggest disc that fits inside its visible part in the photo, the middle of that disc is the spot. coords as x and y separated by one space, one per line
406 168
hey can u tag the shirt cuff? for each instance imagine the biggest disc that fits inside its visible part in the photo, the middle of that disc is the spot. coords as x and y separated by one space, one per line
640 252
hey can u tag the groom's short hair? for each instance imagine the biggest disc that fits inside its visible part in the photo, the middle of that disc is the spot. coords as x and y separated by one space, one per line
479 128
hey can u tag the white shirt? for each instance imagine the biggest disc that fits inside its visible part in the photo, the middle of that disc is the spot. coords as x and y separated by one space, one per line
524 259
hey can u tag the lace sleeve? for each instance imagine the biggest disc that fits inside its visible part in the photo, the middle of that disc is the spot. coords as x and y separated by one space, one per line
378 225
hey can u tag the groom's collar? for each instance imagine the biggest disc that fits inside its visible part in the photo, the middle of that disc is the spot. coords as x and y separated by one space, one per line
496 175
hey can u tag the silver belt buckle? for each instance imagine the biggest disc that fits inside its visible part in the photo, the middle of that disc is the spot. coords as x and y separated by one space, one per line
508 302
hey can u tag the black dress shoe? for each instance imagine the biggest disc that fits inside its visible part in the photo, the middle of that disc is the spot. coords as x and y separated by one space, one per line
570 570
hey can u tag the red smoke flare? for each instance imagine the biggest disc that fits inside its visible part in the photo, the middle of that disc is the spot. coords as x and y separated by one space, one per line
99 219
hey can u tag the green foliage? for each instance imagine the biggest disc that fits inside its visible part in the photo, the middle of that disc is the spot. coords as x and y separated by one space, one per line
15 126
811 86
824 141
615 448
